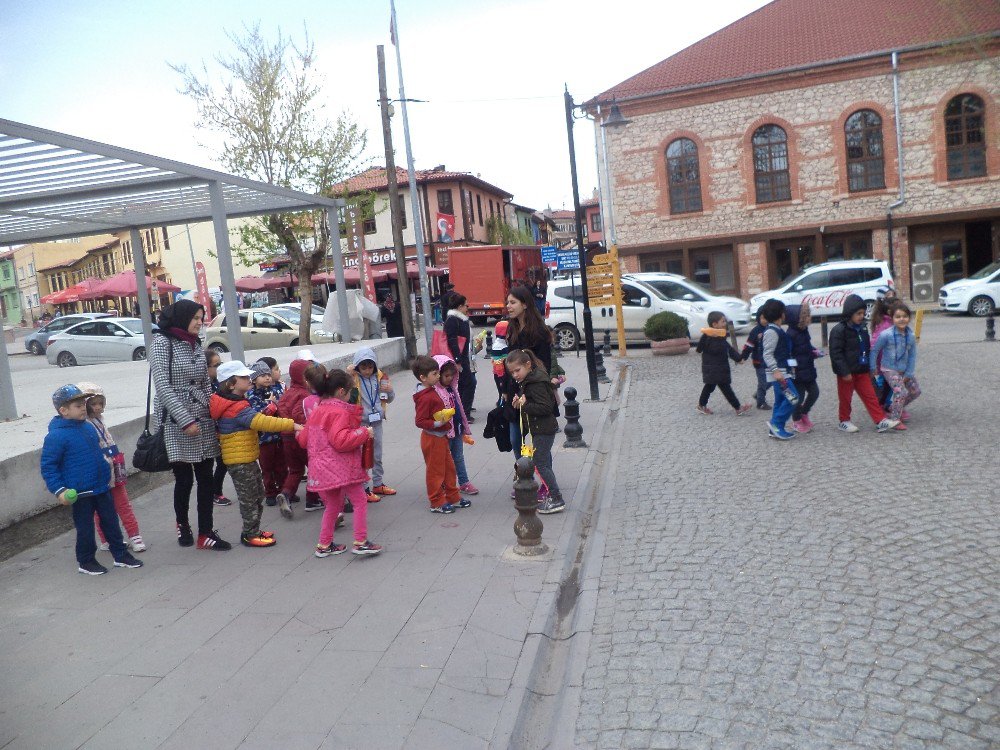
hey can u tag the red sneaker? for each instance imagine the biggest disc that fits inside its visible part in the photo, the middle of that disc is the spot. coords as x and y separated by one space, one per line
372 497
384 489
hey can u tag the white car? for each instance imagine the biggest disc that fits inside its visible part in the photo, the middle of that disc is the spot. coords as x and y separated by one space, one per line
264 328
673 286
639 303
825 286
94 341
978 295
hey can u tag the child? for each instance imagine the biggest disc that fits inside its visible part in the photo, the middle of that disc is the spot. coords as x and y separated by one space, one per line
433 418
75 471
881 319
751 350
776 350
536 401
799 317
238 424
373 392
716 351
333 437
850 356
291 406
459 433
896 349
264 397
213 360
96 402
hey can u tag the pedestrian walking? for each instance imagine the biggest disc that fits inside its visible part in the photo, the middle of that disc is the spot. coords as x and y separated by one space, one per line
804 355
896 352
752 351
776 351
716 351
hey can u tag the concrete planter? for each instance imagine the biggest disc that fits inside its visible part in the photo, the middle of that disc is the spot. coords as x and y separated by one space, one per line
670 346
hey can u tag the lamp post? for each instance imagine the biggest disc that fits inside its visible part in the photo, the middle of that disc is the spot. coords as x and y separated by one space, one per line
588 323
614 121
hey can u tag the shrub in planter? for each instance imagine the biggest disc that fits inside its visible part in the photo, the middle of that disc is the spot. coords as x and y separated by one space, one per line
669 333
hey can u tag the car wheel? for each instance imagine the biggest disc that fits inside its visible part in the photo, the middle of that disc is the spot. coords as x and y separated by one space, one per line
567 338
139 354
293 342
66 359
217 347
981 306
36 348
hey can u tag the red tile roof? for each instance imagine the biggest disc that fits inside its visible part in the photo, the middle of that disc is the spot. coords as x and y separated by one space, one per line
375 179
802 33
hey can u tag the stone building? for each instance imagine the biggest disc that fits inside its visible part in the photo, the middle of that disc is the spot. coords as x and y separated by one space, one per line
771 145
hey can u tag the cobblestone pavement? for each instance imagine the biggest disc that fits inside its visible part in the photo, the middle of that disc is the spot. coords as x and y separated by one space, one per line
838 591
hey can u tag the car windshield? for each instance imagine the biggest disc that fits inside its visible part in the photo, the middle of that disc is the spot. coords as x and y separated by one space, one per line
700 287
135 326
294 316
984 273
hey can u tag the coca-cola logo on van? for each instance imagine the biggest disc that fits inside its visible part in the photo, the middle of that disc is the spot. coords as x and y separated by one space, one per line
828 300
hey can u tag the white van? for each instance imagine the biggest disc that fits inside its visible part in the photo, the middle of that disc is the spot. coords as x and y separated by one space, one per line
640 301
825 286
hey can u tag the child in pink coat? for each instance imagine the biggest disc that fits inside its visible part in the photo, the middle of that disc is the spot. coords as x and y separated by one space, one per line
333 437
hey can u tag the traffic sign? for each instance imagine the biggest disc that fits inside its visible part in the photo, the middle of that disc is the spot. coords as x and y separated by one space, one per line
548 254
568 261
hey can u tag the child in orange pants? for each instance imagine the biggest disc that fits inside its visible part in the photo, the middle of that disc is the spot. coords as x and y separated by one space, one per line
433 418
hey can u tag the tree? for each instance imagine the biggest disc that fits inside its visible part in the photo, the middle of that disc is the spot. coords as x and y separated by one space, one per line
499 232
268 110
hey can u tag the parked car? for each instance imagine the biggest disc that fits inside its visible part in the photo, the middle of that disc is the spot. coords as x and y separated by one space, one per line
825 286
978 295
639 303
263 328
674 286
94 341
296 308
37 341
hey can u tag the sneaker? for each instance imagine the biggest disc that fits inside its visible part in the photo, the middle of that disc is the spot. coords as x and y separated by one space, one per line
463 503
184 536
552 505
222 501
212 540
372 497
330 549
284 505
808 422
365 548
267 534
743 410
103 546
137 544
779 432
384 489
312 505
257 540
799 425
128 561
905 415
348 508
900 427
271 501
446 508
92 568
703 409
340 521
847 426
543 493
764 407
886 424
294 499
468 489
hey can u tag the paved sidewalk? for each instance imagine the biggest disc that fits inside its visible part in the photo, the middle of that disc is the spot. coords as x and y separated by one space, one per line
275 648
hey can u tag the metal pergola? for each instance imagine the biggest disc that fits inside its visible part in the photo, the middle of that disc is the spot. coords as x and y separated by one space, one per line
55 186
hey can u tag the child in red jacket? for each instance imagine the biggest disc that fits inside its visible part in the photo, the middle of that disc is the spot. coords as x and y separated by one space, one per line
290 406
333 437
433 419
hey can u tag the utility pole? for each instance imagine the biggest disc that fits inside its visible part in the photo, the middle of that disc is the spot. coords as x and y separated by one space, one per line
397 223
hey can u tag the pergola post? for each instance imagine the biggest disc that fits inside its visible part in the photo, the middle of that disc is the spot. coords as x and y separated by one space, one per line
228 278
8 407
139 260
338 272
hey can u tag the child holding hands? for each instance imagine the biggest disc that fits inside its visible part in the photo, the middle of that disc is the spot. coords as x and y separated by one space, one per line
716 351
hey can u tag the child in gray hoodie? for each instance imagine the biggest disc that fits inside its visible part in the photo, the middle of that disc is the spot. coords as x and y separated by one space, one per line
373 391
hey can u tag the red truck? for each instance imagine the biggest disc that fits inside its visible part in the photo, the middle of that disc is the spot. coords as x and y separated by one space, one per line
483 273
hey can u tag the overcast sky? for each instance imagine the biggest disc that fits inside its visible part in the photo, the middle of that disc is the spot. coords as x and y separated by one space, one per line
492 71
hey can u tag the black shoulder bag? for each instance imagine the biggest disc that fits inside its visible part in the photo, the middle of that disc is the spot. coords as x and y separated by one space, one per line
151 449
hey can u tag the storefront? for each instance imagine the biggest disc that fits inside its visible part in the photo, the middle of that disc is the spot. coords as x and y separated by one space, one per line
712 267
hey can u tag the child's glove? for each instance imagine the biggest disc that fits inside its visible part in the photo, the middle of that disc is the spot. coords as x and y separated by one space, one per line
468 440
444 415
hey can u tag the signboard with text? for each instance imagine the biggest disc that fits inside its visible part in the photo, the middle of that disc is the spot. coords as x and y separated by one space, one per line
568 260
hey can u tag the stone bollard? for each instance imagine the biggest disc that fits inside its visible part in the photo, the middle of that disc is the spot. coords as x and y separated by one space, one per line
602 372
607 343
573 429
991 330
528 526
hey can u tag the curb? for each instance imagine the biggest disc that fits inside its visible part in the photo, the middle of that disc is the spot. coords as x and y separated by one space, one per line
556 645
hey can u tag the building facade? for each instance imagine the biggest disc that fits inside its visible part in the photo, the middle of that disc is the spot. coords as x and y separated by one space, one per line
10 291
742 166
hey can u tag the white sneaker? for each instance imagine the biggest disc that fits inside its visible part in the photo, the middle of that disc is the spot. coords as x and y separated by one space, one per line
104 546
887 424
137 544
848 427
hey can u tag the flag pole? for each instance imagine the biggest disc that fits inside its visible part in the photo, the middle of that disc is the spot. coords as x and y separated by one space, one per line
418 230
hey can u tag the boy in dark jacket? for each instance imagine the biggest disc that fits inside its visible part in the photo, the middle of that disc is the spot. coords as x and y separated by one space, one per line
263 397
804 354
751 350
716 351
76 472
850 353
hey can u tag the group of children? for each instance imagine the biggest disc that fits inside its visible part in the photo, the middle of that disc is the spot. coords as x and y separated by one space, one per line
784 360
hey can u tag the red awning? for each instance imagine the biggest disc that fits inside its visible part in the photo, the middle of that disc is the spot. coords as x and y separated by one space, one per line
123 285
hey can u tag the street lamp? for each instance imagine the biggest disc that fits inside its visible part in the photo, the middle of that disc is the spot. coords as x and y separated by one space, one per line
588 323
614 120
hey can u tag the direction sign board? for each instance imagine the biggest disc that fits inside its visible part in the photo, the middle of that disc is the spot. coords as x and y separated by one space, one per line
603 258
568 260
548 254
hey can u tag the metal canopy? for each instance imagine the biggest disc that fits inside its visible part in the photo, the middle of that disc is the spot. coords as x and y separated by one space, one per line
54 186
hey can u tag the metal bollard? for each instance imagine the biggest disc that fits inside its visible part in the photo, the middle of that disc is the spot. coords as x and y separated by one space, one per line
528 526
602 372
573 429
489 344
991 330
607 343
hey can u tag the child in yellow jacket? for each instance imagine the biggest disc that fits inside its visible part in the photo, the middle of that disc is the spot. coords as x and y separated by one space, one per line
239 424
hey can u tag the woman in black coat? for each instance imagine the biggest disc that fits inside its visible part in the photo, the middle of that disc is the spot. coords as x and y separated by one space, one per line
716 351
456 328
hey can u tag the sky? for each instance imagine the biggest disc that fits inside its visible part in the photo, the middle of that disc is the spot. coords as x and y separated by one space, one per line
492 72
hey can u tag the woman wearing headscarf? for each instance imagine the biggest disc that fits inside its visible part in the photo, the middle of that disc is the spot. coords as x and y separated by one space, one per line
183 390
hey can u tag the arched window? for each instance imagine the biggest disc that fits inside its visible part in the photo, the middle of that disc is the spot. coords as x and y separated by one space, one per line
964 131
865 156
683 176
770 164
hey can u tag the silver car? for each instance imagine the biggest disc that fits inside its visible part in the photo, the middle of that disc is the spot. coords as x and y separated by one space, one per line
95 341
36 342
263 328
